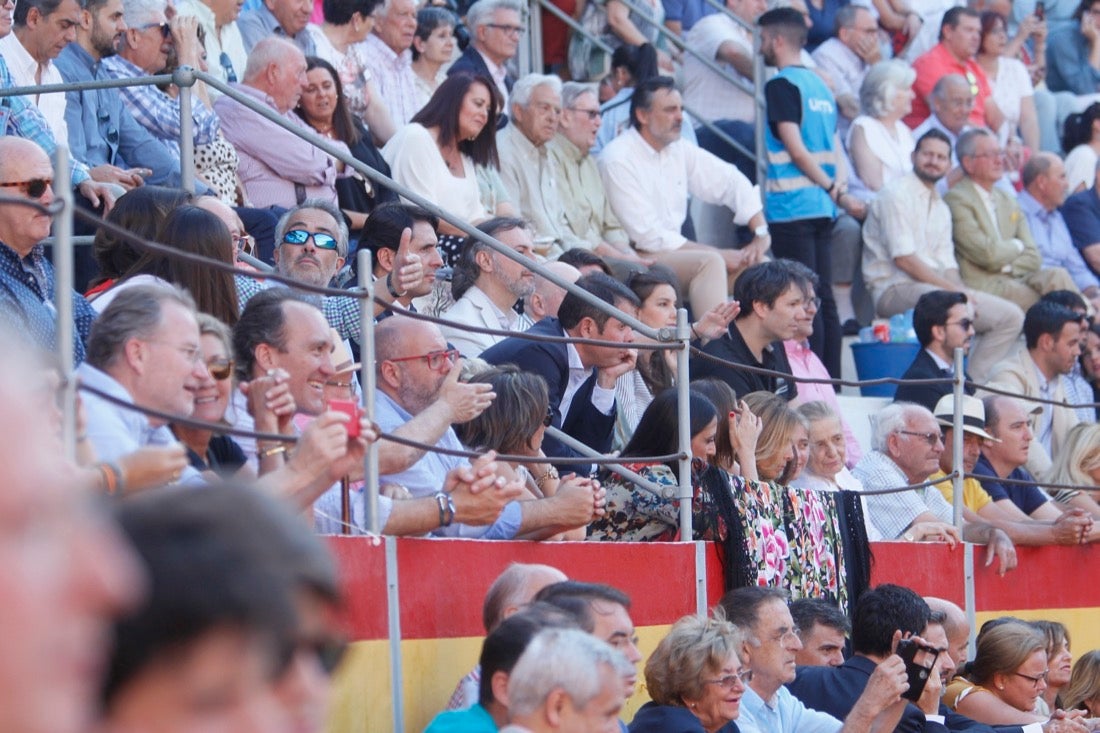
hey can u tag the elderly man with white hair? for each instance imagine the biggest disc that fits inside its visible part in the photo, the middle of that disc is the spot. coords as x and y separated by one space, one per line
566 680
143 51
906 444
525 165
495 29
277 167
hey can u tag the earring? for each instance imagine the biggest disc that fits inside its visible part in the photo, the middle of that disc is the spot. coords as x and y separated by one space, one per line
1000 687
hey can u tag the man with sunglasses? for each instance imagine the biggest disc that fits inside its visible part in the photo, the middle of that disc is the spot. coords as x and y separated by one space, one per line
143 51
26 274
907 444
943 321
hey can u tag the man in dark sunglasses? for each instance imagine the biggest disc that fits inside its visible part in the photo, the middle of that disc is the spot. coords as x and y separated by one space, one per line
311 243
26 274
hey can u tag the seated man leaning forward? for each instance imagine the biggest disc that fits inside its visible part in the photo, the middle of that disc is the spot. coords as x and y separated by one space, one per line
648 173
580 377
277 167
415 368
906 446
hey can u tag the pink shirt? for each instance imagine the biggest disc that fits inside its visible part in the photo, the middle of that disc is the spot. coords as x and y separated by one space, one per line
805 363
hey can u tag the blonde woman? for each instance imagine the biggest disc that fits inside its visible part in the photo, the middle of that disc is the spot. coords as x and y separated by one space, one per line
1078 464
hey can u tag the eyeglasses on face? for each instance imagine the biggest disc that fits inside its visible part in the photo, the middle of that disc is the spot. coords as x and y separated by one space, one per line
963 323
732 681
1036 680
785 633
165 29
34 188
548 419
220 369
435 359
930 438
298 237
512 30
245 243
591 114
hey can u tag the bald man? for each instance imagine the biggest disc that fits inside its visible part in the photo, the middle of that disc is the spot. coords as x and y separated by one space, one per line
415 368
276 164
957 628
513 590
547 297
26 275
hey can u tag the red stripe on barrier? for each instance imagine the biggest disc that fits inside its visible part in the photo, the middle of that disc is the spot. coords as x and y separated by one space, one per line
362 563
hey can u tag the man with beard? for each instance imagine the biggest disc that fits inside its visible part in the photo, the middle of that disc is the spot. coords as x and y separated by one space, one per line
908 252
400 235
487 284
102 132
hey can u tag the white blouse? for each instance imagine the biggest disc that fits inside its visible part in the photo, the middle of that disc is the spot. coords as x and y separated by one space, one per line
415 161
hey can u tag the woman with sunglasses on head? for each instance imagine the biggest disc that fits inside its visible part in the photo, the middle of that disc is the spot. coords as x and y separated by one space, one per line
207 451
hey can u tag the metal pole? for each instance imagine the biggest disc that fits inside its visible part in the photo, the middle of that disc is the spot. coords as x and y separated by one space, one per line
638 480
393 618
957 440
683 335
729 13
761 111
367 382
533 59
63 295
184 79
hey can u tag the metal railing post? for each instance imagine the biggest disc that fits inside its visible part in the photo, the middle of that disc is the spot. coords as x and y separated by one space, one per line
683 335
957 441
184 79
367 383
63 296
761 110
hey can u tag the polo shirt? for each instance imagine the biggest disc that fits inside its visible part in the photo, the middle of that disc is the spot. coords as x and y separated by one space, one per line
1027 498
1081 212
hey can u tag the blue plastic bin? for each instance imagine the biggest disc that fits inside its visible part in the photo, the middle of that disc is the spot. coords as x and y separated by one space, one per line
877 359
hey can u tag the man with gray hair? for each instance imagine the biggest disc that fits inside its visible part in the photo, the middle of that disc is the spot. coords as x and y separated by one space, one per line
525 165
387 55
906 445
41 29
486 285
993 244
277 167
144 51
950 102
587 211
847 57
563 677
144 350
495 29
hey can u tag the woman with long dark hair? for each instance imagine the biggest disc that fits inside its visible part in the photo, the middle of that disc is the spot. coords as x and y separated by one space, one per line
1081 141
437 153
324 107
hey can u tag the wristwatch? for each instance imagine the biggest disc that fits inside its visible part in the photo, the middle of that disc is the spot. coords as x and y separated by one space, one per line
761 231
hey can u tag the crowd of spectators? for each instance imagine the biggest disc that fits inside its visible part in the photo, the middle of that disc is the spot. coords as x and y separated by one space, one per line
915 170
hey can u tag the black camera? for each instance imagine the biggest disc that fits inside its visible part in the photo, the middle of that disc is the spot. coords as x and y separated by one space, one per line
919 660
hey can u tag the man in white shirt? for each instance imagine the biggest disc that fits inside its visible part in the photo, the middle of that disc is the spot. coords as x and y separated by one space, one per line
486 285
846 58
41 29
648 172
908 251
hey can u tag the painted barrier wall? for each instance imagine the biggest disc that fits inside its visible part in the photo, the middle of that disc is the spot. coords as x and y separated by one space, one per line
439 586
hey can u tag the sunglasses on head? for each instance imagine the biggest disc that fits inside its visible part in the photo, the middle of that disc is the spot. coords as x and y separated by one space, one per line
221 369
299 237
35 187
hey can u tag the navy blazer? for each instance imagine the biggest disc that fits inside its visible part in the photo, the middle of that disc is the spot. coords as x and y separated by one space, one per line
834 690
924 367
550 360
471 62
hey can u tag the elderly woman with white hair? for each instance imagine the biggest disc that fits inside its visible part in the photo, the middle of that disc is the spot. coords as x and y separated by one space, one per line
879 143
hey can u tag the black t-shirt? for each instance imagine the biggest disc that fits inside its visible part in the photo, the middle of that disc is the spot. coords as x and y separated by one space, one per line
732 347
784 103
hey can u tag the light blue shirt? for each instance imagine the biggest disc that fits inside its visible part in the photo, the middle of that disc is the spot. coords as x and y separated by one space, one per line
114 430
426 476
1055 244
784 713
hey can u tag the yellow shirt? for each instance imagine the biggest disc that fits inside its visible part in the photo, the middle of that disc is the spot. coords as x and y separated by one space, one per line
974 496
